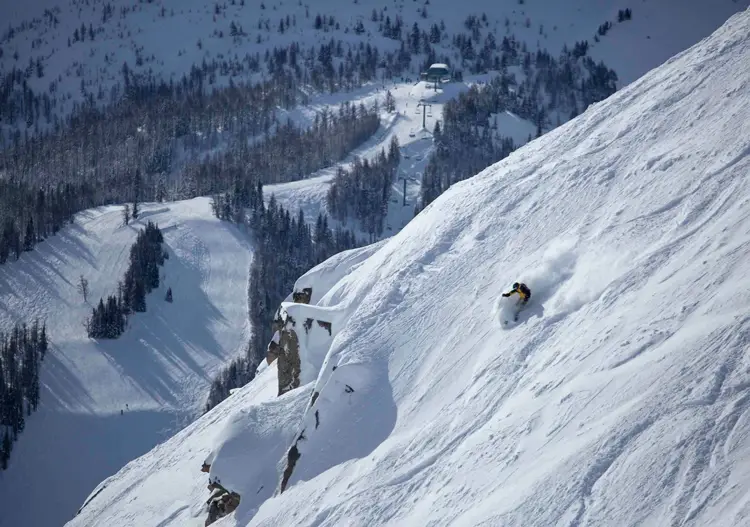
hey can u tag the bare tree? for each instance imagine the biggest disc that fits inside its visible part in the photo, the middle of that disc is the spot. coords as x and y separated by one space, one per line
126 214
83 288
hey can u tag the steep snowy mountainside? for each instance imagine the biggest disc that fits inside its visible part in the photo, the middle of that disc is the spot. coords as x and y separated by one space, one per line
622 380
157 373
620 397
74 48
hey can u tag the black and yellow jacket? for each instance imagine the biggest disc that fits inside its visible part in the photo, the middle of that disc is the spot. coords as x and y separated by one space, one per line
522 290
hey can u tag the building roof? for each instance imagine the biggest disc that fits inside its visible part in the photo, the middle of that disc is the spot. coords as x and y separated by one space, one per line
439 66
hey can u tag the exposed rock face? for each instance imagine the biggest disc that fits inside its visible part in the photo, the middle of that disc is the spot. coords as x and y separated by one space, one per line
291 459
302 297
325 325
285 349
294 454
272 353
288 361
285 345
303 336
221 503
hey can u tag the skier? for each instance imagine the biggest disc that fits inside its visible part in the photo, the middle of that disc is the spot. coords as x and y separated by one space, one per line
524 294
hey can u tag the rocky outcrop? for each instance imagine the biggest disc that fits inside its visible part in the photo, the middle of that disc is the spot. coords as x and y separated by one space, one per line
272 352
291 459
302 297
297 449
285 345
288 364
221 502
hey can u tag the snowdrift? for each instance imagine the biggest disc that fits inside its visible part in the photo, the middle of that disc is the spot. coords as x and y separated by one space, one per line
621 397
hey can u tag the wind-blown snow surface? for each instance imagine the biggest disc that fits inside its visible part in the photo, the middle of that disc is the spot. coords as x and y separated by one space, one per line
160 367
620 398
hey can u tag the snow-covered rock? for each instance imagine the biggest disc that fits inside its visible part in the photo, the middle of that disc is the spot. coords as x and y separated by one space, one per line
246 458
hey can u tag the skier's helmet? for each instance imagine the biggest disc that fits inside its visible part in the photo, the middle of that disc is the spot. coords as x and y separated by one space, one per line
516 285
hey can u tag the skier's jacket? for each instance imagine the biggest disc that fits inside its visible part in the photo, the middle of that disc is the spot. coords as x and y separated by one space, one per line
522 290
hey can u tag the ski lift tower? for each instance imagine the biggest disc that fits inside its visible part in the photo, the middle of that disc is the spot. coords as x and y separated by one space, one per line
405 178
424 105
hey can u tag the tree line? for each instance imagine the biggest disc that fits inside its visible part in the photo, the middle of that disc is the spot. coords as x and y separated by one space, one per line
108 318
290 154
21 353
28 213
363 191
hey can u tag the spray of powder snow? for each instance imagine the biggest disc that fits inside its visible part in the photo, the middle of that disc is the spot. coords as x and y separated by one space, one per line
567 278
594 271
556 266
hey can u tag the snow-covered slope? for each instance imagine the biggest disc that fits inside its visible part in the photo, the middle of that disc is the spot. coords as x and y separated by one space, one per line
620 397
157 373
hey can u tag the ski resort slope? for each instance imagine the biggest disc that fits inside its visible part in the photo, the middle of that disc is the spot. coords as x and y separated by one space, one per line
157 373
621 397
416 142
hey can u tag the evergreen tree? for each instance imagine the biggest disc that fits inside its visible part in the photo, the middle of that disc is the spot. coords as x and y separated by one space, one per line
141 277
136 193
7 446
390 102
20 360
29 237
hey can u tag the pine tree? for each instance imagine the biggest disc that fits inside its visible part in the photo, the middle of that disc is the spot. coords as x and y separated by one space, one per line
394 151
29 238
43 344
136 193
7 446
139 296
83 288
